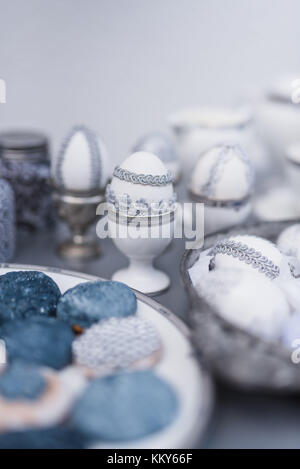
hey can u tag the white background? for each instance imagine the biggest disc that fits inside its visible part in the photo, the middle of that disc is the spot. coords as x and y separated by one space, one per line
121 66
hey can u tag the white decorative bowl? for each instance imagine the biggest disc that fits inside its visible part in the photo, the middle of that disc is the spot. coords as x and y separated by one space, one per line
178 366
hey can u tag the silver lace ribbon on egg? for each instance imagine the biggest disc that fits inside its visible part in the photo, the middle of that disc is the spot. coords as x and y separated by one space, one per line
140 207
245 254
219 165
143 179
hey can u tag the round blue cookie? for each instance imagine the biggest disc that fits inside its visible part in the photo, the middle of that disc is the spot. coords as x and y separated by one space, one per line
91 302
39 340
27 293
22 381
125 407
50 438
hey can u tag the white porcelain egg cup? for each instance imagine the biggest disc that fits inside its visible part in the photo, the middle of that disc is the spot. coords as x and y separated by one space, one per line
142 245
141 219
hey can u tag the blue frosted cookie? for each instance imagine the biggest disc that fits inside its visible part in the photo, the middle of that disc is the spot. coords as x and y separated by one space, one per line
25 294
125 407
51 438
91 302
22 381
40 340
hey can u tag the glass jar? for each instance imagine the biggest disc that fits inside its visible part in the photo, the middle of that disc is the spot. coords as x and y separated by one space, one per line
25 163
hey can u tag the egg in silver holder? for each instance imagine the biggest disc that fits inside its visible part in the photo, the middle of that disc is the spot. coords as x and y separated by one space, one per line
141 214
79 175
223 181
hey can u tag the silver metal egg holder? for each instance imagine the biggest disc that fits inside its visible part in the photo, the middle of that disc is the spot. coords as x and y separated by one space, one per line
78 209
79 212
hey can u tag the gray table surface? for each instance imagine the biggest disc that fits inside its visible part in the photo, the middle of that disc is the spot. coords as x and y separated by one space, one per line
240 420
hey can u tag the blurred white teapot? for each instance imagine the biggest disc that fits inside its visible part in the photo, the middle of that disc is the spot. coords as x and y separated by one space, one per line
196 130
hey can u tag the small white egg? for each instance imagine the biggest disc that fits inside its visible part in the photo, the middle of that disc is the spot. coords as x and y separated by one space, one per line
83 163
162 146
143 163
247 301
222 173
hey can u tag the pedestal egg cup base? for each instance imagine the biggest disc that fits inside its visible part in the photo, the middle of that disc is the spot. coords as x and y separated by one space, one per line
79 212
71 249
150 281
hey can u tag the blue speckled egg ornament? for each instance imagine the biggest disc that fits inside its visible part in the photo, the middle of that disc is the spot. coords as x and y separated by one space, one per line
27 293
124 407
42 438
39 340
22 381
7 222
92 302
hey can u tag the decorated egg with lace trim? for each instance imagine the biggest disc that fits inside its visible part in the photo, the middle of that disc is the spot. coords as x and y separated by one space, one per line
223 173
82 164
249 253
141 185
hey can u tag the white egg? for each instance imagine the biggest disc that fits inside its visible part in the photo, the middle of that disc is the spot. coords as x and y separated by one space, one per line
162 146
83 163
263 246
222 173
247 301
142 163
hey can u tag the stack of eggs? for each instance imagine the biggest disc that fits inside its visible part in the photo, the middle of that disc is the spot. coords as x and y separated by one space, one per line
82 166
160 145
223 180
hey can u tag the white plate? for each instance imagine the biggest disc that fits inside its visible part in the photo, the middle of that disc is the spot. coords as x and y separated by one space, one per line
178 366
